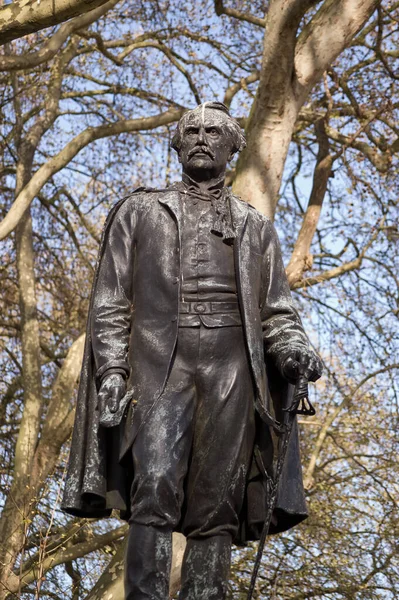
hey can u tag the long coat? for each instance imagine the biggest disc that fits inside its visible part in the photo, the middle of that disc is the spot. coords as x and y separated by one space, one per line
135 297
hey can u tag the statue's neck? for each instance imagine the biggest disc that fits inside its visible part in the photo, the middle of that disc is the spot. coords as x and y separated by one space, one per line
208 186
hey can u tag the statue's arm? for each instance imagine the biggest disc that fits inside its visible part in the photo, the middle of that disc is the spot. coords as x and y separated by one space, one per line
285 341
112 301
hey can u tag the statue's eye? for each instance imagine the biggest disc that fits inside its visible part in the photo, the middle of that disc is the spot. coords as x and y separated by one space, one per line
213 131
190 132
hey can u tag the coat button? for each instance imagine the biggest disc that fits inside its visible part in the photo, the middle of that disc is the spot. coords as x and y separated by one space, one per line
175 280
174 319
199 308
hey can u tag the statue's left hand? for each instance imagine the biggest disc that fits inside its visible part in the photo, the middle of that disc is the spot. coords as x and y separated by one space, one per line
112 390
299 362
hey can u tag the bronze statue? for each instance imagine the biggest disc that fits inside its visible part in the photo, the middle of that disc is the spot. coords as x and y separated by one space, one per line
193 346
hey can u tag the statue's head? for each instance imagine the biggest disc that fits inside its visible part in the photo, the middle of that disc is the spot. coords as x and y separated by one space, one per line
206 138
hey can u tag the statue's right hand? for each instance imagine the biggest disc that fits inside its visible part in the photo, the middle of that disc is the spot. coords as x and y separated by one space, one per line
112 390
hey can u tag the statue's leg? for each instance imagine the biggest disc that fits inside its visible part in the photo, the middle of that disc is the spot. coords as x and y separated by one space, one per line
148 562
206 568
221 455
161 454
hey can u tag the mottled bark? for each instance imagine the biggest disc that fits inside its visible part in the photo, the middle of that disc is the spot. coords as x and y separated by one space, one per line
49 49
291 66
27 16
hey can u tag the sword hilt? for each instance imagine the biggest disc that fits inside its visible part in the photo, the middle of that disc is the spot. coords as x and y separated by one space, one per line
301 404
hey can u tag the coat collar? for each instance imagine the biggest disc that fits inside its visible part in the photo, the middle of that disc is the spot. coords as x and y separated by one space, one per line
239 209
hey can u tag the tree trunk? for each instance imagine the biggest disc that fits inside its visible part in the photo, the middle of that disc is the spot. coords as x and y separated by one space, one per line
291 66
15 515
110 584
274 111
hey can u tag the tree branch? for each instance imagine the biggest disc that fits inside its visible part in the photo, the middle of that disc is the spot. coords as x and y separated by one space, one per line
236 87
58 162
325 37
28 16
58 425
379 160
337 271
301 259
308 478
274 110
71 553
220 10
42 458
54 43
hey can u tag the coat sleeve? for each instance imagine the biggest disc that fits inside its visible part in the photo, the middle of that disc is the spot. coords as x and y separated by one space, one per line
112 301
281 325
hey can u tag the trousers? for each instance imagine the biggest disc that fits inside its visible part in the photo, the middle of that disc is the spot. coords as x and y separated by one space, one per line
191 460
192 456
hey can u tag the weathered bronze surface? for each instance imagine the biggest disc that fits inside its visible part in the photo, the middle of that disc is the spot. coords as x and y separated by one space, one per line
193 346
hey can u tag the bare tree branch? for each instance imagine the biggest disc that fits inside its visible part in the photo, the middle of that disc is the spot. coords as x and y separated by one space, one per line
379 160
308 477
337 271
54 43
236 87
70 553
22 17
325 37
221 9
290 68
301 260
58 424
70 151
56 430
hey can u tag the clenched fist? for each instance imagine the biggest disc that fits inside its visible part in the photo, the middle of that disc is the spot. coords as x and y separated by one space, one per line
112 390
300 362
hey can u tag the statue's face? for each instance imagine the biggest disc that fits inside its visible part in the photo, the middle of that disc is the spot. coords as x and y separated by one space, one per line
206 144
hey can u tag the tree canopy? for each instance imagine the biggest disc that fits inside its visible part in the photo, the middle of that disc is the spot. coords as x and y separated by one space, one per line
88 109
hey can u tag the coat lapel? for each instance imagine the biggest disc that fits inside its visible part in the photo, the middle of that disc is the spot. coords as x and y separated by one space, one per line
173 201
239 215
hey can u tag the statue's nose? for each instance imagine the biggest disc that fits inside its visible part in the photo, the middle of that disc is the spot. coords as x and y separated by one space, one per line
202 136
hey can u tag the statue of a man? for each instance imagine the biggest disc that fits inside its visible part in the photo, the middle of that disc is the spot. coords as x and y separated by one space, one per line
192 348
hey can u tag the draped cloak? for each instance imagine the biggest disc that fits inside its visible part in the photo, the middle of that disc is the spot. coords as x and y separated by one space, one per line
144 232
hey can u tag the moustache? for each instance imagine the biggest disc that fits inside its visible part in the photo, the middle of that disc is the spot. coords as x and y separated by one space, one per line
202 149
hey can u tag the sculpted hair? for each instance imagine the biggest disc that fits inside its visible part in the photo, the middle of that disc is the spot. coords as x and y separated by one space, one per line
229 123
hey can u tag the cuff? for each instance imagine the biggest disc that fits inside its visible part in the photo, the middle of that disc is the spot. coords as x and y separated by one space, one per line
112 366
111 372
